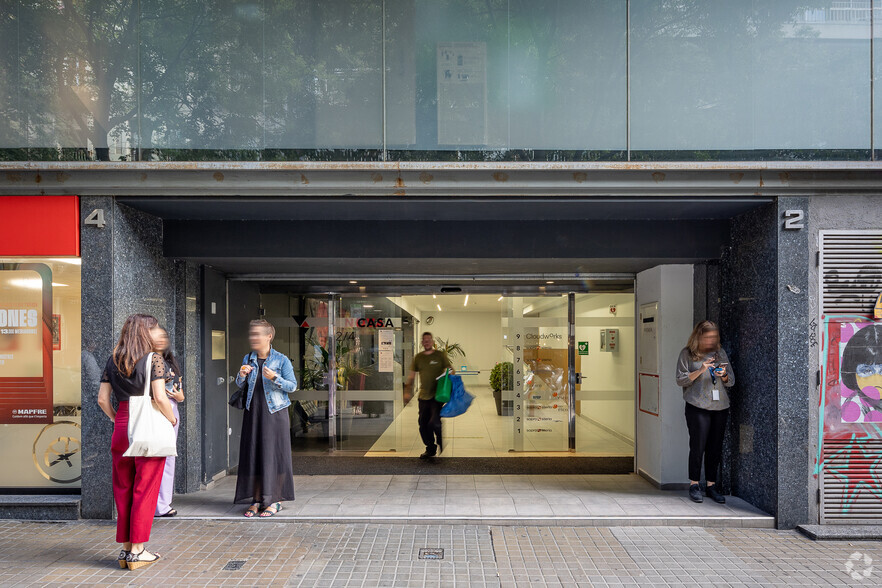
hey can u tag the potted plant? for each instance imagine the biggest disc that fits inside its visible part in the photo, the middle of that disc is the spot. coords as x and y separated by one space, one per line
449 348
501 378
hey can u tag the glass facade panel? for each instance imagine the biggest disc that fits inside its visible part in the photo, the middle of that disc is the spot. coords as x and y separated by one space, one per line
567 63
73 80
42 362
323 73
755 77
435 80
506 75
877 75
201 77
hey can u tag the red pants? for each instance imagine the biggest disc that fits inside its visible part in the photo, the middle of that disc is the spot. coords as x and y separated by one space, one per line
136 482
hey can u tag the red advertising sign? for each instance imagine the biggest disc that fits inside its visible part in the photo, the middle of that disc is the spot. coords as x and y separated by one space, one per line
40 226
25 343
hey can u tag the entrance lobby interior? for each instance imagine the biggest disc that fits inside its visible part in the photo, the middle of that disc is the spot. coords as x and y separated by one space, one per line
505 348
376 428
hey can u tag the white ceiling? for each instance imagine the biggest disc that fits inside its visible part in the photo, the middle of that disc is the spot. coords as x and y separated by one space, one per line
454 303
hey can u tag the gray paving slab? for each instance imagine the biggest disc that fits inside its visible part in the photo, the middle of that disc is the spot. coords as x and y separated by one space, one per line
307 554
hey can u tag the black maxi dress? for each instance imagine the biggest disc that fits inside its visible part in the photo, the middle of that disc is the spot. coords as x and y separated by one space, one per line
266 474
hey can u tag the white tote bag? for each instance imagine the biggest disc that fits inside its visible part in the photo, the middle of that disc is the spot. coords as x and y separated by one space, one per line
150 433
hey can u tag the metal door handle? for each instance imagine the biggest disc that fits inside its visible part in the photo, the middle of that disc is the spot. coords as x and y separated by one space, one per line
220 381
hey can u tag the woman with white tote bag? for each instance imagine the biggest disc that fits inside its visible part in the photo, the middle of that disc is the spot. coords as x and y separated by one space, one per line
143 434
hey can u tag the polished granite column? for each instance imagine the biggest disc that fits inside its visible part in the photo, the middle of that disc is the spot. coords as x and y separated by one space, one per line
188 350
123 272
749 331
794 380
765 325
96 250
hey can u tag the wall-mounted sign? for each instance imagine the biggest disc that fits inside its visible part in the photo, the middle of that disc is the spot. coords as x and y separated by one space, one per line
385 343
462 93
583 347
40 226
26 343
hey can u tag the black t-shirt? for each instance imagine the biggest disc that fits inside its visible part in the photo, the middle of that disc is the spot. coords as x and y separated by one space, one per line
123 387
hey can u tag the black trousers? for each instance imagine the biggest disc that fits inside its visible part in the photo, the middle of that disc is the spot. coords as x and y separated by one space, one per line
706 429
430 423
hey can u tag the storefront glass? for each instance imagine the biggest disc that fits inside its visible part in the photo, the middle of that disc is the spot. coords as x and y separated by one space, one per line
42 362
368 80
741 79
521 390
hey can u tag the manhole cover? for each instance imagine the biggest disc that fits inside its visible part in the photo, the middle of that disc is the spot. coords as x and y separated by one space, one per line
431 553
234 565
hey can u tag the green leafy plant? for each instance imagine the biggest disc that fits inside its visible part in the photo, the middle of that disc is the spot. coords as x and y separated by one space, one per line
449 348
502 376
315 369
348 366
311 376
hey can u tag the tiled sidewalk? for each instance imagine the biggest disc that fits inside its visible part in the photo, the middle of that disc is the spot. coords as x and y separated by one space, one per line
572 499
82 553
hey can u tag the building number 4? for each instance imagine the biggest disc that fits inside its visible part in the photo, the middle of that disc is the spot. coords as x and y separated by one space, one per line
96 218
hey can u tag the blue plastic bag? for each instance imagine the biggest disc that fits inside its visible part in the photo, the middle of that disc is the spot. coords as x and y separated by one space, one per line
460 400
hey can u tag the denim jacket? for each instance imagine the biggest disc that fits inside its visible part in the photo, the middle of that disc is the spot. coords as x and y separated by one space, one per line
276 391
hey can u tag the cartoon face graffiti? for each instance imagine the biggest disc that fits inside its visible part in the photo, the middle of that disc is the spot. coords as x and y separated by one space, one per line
861 371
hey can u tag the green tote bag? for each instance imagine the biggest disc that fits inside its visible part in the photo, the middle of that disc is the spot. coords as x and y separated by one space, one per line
443 388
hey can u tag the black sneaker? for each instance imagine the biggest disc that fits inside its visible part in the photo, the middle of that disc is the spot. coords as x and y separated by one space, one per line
695 493
714 495
430 452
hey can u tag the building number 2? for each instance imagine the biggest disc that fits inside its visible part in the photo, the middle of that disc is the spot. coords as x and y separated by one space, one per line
794 219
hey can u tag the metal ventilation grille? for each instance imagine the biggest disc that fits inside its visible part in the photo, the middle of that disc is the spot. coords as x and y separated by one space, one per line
851 271
851 488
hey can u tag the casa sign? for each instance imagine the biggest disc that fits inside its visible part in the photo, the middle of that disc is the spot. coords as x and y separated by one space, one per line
351 322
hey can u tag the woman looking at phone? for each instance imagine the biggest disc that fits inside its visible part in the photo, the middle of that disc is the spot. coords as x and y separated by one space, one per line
704 373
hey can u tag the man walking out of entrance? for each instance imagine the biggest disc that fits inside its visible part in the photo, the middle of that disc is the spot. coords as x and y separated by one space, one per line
430 363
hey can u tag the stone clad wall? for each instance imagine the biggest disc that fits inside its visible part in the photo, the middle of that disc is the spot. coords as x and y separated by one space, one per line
764 321
123 272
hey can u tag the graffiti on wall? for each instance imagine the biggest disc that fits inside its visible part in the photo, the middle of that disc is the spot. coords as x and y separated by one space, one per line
850 404
861 373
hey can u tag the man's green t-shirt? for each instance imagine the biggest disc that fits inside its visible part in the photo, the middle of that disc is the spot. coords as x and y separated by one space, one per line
429 366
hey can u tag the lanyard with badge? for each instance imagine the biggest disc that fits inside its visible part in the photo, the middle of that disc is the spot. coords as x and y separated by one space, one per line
716 391
714 371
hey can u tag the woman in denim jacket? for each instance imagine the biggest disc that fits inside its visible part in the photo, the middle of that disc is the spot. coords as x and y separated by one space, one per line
266 476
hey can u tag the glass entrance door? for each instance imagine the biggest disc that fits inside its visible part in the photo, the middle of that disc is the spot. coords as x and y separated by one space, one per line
353 353
535 334
373 346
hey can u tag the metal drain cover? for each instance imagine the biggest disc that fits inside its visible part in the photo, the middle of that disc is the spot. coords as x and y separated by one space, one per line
235 564
431 553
